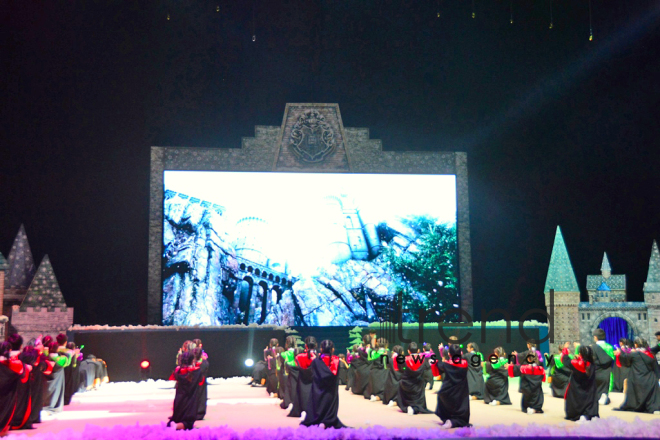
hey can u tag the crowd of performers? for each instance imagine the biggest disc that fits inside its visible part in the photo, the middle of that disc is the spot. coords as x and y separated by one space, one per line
39 378
190 374
307 380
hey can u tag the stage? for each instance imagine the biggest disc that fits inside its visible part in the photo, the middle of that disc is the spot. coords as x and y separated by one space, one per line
116 409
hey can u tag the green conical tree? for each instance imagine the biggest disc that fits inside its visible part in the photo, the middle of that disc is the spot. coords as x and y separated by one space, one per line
355 335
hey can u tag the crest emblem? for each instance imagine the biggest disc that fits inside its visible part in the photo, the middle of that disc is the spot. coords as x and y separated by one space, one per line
312 138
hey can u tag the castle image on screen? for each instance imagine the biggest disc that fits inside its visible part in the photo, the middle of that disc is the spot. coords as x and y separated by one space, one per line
313 249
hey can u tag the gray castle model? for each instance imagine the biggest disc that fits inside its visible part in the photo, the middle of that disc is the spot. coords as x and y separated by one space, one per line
30 296
575 320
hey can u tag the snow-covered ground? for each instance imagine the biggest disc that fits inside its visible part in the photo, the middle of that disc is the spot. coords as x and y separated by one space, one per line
129 410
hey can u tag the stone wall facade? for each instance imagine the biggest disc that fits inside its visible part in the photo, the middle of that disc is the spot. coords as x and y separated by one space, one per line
564 326
32 323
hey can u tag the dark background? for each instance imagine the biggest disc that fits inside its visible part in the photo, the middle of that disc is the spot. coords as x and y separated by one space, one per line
559 130
228 348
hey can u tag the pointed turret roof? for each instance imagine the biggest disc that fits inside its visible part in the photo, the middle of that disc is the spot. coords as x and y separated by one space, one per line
560 277
603 287
652 283
3 262
606 264
44 290
21 264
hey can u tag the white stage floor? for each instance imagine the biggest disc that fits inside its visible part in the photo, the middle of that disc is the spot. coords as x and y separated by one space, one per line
241 407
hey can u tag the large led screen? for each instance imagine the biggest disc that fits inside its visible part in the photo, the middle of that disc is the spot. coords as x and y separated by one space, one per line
307 249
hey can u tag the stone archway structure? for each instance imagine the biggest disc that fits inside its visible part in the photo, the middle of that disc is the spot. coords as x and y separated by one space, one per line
628 317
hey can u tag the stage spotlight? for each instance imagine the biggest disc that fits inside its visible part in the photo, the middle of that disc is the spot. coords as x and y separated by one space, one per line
145 369
249 362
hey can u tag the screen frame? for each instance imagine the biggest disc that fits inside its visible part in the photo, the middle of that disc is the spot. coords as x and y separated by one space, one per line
258 154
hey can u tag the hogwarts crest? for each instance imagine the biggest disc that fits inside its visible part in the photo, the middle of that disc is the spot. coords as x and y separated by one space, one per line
312 138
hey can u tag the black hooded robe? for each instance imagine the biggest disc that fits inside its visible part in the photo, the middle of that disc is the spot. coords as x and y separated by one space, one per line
412 385
342 373
620 373
559 378
497 385
391 389
581 399
203 392
291 389
531 385
71 381
350 377
12 373
454 394
377 377
362 367
603 363
324 394
475 375
271 376
643 391
186 399
40 371
54 398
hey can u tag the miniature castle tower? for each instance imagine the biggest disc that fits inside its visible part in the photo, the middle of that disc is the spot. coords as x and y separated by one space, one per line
43 310
652 291
19 273
606 287
561 279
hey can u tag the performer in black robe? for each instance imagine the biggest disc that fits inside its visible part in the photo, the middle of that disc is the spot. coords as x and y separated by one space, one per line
324 396
643 391
379 359
41 370
201 361
454 396
271 373
71 374
288 383
350 357
603 360
559 374
532 377
279 373
54 399
188 389
475 371
581 402
620 372
427 351
391 389
342 373
24 407
304 384
529 356
496 389
12 372
411 397
362 366
87 373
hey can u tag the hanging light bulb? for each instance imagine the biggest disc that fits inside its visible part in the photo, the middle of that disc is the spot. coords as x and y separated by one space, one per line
168 17
473 13
217 8
551 19
591 36
254 37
